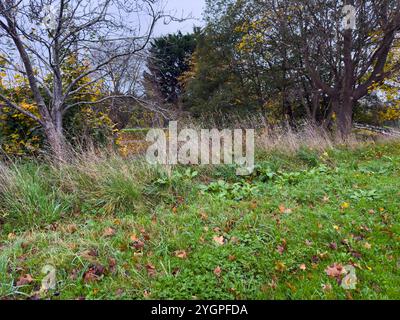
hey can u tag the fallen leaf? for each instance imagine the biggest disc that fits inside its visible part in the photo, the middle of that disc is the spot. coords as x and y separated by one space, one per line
231 258
24 280
181 254
345 205
108 232
327 287
90 276
333 246
151 270
325 199
280 266
138 245
335 270
323 255
89 255
112 263
71 228
203 216
291 287
253 205
219 240
356 254
315 259
11 236
280 249
94 273
284 210
217 271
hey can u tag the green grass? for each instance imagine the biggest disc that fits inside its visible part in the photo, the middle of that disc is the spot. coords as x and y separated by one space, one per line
318 209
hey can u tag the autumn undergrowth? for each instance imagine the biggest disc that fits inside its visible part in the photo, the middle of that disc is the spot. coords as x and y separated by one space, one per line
117 228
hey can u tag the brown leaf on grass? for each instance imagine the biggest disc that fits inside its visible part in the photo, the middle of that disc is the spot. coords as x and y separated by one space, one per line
181 254
89 255
71 228
335 270
151 270
217 271
327 287
138 245
145 234
231 258
203 216
108 232
280 266
11 236
315 259
134 238
119 292
325 199
112 263
136 242
284 210
367 246
333 246
356 254
94 273
24 280
219 240
74 274
90 276
253 205
281 248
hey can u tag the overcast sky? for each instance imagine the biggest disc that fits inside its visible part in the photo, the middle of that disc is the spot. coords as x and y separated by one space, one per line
180 8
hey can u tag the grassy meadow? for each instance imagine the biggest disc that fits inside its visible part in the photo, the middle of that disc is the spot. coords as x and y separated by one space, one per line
117 228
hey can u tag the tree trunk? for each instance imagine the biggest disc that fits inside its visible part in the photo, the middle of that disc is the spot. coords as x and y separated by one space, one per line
345 117
56 140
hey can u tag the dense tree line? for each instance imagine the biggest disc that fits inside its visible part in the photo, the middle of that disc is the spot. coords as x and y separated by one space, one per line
296 59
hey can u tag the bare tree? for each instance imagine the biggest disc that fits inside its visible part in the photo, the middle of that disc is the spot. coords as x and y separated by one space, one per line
332 52
346 47
38 36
